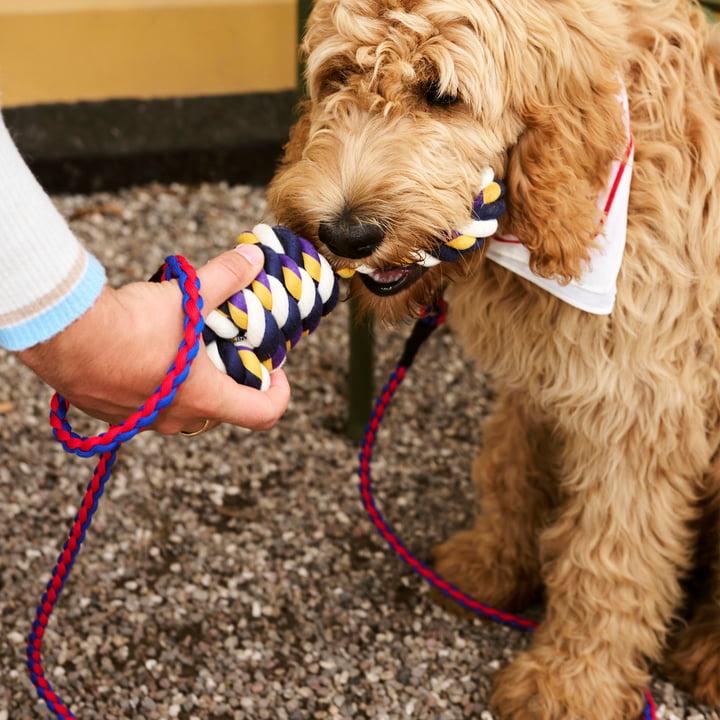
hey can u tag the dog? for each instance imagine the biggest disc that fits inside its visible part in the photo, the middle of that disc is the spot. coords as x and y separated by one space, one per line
598 482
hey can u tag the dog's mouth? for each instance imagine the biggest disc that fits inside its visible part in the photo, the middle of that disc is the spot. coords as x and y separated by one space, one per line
394 280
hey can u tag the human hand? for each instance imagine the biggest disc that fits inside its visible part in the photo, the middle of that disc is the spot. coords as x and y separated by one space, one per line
112 358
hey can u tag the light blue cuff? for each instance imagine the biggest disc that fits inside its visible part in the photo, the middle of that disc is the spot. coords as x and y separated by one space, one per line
56 318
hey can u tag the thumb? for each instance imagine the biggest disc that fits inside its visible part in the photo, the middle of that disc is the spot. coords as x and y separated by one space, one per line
228 274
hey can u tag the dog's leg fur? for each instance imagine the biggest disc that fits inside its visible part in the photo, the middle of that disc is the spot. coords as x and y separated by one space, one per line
632 474
612 570
693 661
497 561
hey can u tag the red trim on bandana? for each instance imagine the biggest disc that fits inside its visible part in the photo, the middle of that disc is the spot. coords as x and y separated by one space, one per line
615 183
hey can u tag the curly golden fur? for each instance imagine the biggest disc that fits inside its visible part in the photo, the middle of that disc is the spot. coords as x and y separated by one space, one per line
599 480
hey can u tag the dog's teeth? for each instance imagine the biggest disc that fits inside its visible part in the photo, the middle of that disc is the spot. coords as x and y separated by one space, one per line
364 269
426 260
480 228
387 276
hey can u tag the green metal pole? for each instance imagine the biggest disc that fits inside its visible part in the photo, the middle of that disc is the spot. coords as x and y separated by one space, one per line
360 373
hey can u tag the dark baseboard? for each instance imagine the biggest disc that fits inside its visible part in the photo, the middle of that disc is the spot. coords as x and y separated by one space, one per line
88 147
251 165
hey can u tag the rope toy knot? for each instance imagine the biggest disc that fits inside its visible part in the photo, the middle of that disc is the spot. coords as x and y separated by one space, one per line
250 334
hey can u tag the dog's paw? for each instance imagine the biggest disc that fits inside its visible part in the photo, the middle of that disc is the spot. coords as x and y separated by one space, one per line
539 686
478 572
693 662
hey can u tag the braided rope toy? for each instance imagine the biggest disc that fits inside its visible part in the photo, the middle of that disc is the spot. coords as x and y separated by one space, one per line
248 337
250 334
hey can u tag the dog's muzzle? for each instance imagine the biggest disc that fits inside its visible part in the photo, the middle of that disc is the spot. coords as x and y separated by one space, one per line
487 208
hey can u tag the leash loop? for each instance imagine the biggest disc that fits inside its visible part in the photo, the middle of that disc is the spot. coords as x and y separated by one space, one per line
110 440
106 445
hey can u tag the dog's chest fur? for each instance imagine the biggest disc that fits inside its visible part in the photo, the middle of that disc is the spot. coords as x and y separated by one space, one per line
565 361
492 308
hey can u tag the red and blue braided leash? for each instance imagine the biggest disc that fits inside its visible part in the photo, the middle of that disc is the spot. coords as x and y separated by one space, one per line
432 318
107 444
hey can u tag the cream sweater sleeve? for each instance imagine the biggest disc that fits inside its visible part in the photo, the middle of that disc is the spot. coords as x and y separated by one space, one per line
47 278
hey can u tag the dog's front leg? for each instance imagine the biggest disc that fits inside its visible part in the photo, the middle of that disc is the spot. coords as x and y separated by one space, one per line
612 565
497 561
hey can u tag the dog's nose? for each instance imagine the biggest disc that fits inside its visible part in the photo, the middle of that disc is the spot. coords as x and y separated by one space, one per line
350 238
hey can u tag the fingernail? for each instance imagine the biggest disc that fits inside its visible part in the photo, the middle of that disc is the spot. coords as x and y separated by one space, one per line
252 253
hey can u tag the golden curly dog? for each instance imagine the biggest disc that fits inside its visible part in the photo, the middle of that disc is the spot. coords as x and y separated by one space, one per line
599 480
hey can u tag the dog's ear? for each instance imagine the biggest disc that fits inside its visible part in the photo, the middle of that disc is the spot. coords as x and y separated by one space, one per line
299 131
556 170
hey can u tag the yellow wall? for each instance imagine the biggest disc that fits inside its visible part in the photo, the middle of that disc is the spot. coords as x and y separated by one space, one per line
73 50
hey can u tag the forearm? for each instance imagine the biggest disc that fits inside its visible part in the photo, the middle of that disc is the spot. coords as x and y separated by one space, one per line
105 349
111 358
48 278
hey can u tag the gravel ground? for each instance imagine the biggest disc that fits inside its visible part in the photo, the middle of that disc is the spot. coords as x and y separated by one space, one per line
234 575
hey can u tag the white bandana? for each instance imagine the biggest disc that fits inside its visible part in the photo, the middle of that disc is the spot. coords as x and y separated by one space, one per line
595 291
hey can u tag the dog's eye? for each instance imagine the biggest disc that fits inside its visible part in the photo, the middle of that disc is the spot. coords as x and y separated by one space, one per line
333 81
434 95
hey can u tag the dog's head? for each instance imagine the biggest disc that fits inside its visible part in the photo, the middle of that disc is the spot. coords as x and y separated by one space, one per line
411 100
